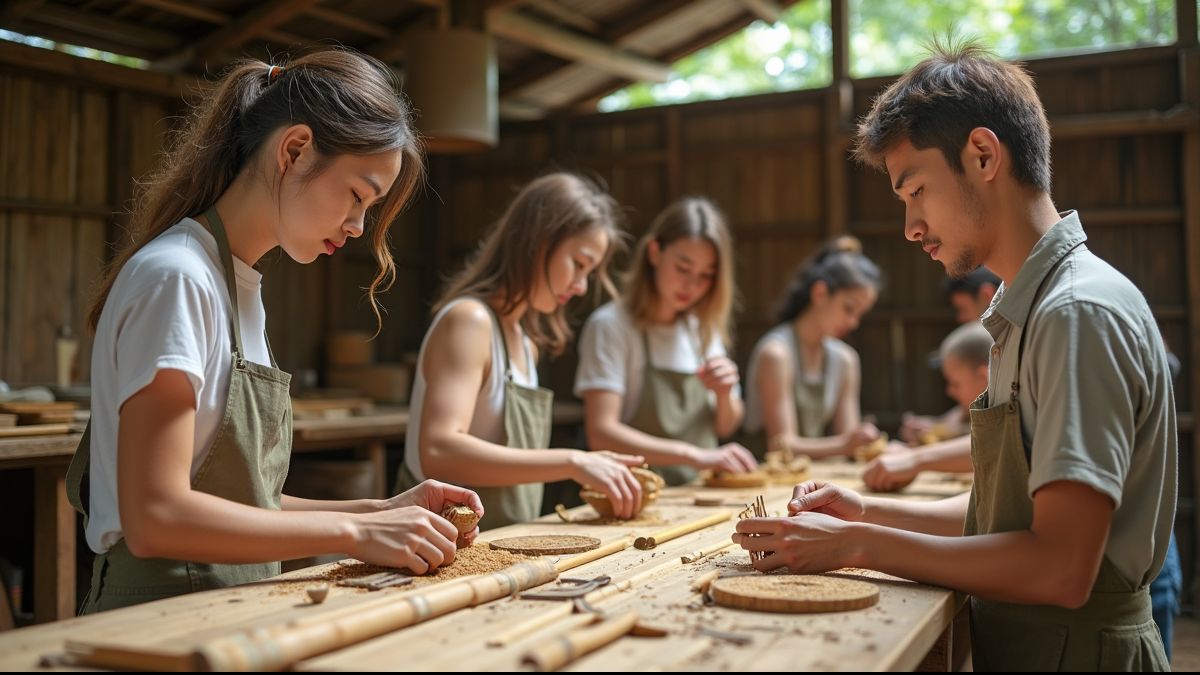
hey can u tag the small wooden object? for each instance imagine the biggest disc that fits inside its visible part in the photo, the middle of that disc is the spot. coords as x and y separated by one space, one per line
462 517
546 544
652 486
793 593
318 593
560 650
736 480
35 430
647 543
785 469
869 451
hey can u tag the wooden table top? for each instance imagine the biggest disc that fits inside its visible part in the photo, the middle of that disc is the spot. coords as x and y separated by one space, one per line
894 634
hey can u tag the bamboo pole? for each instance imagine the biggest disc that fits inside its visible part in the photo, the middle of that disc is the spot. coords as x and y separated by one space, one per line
574 561
561 650
281 645
647 543
701 554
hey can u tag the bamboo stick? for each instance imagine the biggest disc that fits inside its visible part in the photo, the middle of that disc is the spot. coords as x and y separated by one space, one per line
565 609
574 561
647 543
281 645
558 652
701 554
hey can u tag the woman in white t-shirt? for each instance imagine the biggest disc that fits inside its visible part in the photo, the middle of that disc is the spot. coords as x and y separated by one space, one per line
477 416
179 476
804 381
653 371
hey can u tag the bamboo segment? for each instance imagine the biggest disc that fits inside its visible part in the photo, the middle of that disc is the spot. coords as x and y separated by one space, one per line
574 561
561 610
701 554
558 652
282 645
647 543
701 583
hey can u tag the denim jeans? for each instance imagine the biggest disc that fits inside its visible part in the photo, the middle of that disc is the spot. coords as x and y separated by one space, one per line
1164 594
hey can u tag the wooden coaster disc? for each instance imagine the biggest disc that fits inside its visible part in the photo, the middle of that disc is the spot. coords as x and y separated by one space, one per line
794 593
546 544
737 480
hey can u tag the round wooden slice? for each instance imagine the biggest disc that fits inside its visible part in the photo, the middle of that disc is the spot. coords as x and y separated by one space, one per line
546 544
737 480
794 593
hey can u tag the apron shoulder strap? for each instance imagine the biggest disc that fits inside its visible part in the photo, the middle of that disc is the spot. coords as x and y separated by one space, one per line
217 227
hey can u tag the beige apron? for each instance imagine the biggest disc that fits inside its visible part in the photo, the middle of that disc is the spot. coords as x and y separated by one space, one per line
247 463
675 405
528 414
1114 630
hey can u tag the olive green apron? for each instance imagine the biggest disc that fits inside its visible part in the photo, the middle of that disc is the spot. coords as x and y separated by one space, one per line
674 405
528 414
1114 630
247 463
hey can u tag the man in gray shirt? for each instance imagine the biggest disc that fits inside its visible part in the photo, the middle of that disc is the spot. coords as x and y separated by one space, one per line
1073 443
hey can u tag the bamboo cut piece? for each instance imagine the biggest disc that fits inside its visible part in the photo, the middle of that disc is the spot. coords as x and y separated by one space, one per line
558 651
647 543
793 593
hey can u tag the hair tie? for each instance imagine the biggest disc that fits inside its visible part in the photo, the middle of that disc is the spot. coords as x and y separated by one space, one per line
273 72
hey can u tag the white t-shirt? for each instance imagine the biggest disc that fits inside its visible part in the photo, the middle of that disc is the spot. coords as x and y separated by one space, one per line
168 310
487 421
612 353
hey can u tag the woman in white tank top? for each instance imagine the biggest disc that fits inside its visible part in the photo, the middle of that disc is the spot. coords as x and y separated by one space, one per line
804 381
477 416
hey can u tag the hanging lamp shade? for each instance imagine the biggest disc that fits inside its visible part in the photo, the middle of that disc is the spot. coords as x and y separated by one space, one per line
451 78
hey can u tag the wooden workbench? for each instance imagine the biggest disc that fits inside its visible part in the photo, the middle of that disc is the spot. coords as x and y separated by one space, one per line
895 634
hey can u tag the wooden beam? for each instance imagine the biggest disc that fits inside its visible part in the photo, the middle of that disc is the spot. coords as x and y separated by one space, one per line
614 33
202 13
16 10
562 43
349 21
1182 117
571 17
767 10
588 101
263 17
517 111
391 50
54 546
106 28
35 59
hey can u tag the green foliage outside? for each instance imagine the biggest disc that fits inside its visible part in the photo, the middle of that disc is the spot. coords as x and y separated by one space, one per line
888 36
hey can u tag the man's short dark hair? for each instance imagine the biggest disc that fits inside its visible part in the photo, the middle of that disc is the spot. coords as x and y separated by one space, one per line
960 87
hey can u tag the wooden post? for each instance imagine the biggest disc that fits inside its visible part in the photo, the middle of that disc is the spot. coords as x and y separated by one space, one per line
1189 72
54 546
838 111
673 131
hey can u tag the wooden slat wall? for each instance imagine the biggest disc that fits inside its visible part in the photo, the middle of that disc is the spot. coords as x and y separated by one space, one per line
72 151
55 190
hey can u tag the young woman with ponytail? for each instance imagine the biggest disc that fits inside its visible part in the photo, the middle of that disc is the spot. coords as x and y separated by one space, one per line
180 473
804 382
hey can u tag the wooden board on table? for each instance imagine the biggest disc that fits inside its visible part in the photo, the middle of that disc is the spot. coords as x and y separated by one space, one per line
330 408
8 420
35 430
